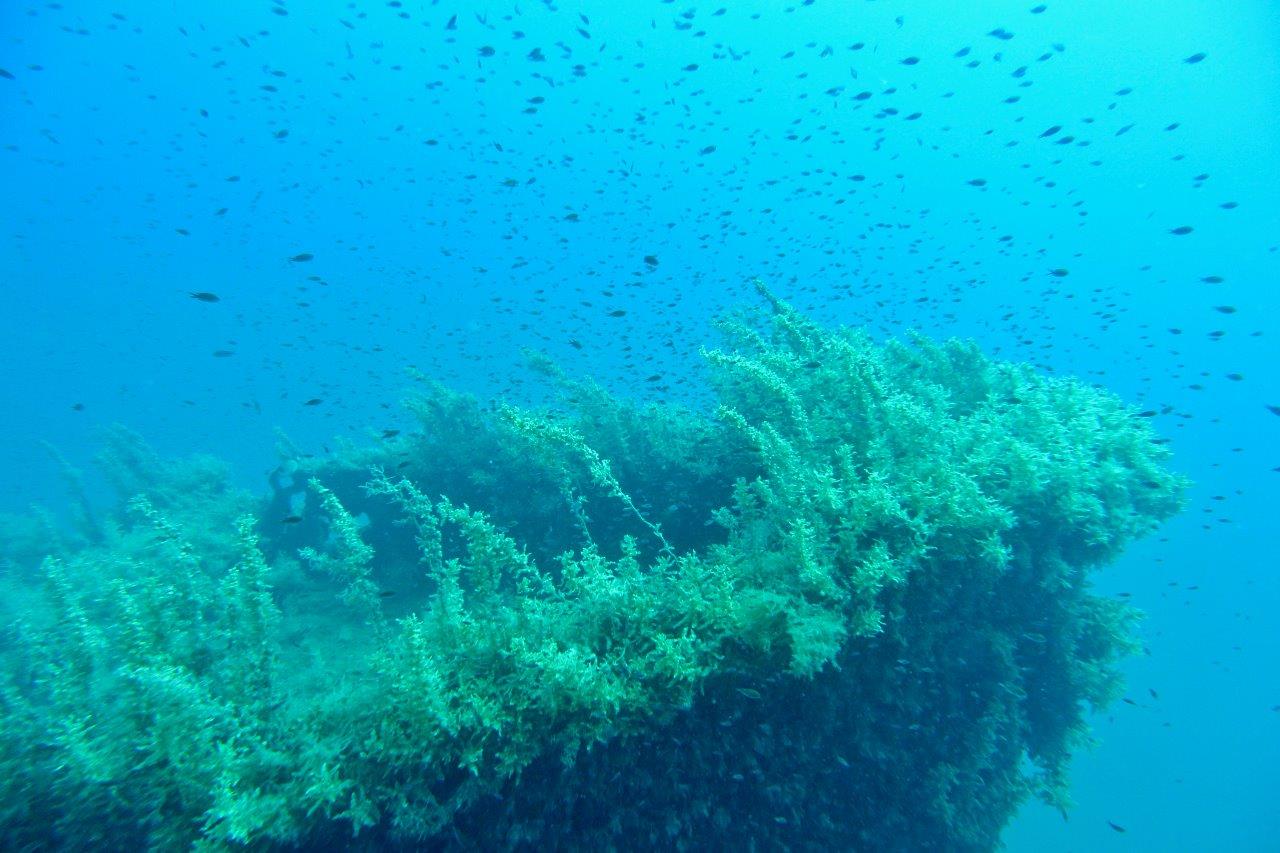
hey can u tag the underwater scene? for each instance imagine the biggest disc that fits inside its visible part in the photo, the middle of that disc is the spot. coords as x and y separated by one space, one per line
640 425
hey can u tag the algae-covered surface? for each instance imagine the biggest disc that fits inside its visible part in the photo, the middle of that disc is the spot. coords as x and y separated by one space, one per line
845 605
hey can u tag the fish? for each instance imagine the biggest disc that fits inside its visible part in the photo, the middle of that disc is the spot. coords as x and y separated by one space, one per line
1181 230
1195 58
301 257
205 296
314 401
1117 827
291 519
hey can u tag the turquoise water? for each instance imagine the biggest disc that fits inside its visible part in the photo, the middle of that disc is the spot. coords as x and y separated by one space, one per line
227 222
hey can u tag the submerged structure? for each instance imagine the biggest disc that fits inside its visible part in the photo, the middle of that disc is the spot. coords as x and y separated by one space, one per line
847 607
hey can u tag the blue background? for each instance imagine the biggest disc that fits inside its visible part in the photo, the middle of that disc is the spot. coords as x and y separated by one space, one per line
456 220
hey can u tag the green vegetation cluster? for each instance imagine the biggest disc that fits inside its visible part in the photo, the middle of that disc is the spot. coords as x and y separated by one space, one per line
848 608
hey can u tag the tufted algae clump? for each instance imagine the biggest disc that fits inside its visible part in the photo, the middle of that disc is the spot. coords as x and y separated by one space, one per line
848 608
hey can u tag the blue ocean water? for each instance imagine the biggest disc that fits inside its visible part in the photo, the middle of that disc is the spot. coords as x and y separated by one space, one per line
224 222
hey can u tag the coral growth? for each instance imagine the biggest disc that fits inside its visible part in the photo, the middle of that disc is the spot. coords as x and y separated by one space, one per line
848 608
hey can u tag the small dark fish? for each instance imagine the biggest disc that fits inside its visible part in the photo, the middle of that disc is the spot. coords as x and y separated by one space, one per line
978 182
1181 230
748 692
291 519
1154 694
617 312
1236 377
79 407
5 74
1051 131
386 593
302 257
1275 410
1194 58
390 433
651 260
204 296
453 23
1060 272
314 401
710 149
1001 33
1212 279
1117 827
1225 309
576 344
1036 10
223 353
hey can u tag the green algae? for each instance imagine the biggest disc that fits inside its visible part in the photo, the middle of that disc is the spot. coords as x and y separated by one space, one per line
849 607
